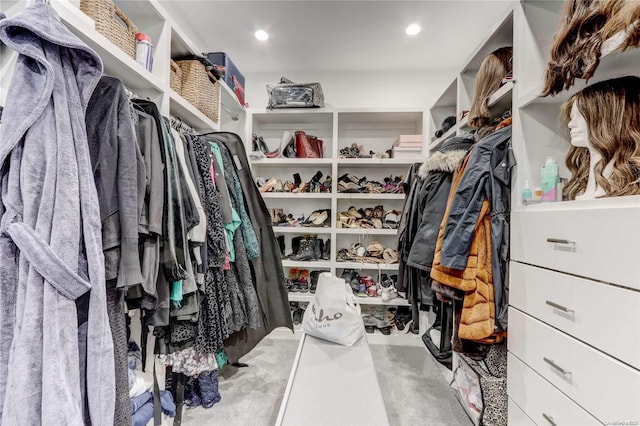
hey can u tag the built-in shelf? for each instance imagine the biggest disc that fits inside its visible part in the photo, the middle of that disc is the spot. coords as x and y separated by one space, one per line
298 195
368 231
599 203
321 264
292 161
229 101
367 266
191 115
361 196
365 162
115 61
301 230
308 297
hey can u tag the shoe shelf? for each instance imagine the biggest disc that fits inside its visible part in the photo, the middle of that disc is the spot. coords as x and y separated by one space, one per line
367 266
301 230
368 196
179 107
312 195
376 161
292 161
308 297
367 231
320 264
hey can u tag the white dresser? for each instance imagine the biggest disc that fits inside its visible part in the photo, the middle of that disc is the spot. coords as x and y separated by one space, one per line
574 316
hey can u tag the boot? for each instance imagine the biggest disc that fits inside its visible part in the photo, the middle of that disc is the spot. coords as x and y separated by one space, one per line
326 252
281 244
306 250
297 180
314 281
318 246
295 245
254 145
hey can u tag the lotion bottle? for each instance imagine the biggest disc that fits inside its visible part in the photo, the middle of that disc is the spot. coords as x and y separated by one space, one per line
549 179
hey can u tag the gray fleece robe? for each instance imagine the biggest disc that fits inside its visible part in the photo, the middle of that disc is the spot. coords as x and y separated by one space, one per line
50 236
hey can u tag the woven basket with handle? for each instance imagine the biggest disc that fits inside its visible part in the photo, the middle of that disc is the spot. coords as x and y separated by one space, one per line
176 78
198 90
112 23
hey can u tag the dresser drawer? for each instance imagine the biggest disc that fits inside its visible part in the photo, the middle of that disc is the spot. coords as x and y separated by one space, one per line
598 243
517 417
605 387
585 309
542 403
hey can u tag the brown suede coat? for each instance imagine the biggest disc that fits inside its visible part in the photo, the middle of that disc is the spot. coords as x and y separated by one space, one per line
478 313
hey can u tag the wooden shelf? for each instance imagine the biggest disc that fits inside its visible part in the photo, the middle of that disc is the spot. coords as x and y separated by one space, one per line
364 162
367 266
320 264
181 108
292 161
301 230
361 196
297 195
115 61
308 297
368 231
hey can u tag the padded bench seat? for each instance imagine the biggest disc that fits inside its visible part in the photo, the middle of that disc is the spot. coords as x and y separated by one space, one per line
332 385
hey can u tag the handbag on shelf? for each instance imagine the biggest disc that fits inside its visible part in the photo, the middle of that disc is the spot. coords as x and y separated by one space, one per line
334 312
308 146
288 94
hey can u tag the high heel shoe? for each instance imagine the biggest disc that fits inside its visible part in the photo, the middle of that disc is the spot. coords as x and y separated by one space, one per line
270 185
287 145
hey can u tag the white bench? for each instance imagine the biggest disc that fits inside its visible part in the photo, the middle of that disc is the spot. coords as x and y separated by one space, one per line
332 385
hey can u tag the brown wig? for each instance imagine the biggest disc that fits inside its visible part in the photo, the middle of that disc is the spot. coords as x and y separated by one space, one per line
611 109
576 46
625 19
491 72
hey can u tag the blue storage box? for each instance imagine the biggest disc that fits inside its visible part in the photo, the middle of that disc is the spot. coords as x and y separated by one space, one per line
229 72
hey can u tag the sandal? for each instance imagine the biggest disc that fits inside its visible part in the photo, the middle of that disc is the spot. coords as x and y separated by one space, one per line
390 256
375 249
353 212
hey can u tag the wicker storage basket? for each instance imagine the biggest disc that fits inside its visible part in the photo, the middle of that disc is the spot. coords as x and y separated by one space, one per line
112 23
176 78
198 90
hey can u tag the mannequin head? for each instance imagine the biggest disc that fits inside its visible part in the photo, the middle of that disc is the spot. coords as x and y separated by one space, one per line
490 75
611 114
575 50
578 128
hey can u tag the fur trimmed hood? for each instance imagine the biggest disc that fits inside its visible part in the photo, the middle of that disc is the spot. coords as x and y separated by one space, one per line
442 162
447 157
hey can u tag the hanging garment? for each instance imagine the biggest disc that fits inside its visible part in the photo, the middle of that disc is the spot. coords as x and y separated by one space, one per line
118 169
475 278
487 177
50 219
267 268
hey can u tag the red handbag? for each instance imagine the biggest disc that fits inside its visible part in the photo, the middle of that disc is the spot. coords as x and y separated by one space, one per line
308 146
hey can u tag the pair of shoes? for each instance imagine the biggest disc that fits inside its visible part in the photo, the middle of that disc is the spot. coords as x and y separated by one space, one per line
298 281
318 218
272 185
354 151
373 321
351 277
307 248
298 314
259 145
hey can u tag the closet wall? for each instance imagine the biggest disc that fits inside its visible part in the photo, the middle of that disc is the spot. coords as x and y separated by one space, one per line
360 89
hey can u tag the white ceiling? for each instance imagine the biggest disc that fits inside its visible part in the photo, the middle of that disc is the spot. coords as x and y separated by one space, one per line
338 35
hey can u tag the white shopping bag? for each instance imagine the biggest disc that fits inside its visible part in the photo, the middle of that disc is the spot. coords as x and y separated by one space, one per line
334 313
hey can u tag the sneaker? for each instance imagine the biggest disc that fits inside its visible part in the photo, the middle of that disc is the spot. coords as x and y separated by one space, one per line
389 293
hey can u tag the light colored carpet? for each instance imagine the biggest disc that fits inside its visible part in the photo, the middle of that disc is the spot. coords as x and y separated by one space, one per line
414 390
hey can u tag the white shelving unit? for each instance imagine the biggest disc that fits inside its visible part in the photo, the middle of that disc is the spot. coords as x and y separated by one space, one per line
308 297
458 96
376 130
554 341
168 39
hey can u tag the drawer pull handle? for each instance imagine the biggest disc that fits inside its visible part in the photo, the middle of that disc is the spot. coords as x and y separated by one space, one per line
560 241
559 307
549 419
556 366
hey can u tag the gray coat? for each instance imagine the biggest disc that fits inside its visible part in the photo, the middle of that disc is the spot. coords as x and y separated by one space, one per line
50 237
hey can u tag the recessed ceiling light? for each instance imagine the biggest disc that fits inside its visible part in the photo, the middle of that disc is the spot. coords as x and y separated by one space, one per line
412 29
262 35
